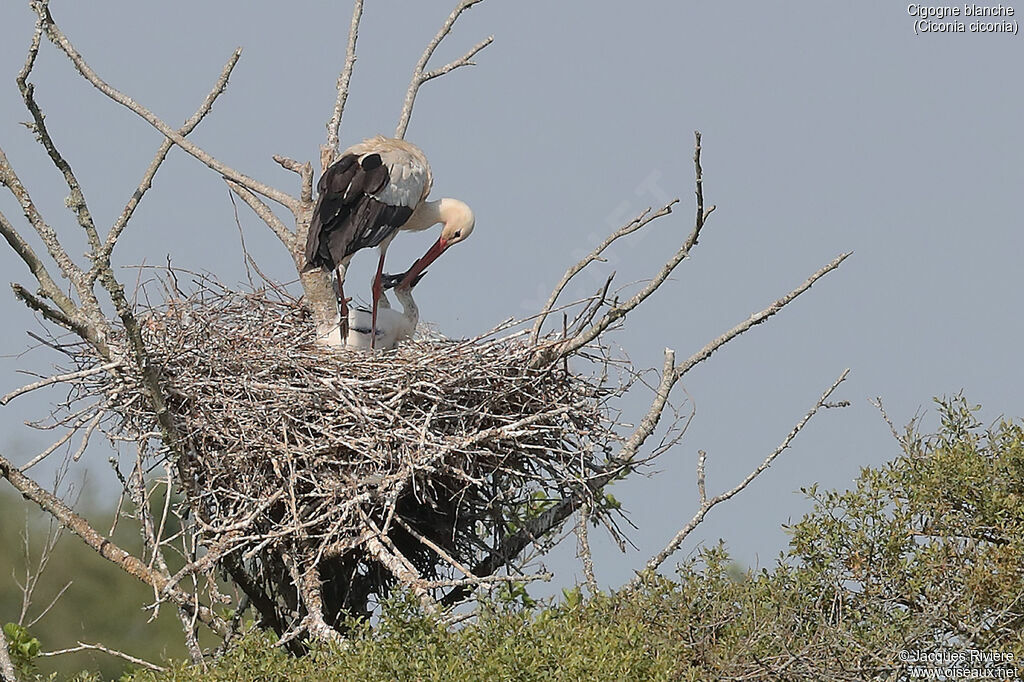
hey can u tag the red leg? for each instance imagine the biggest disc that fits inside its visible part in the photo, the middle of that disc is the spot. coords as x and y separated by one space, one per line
378 287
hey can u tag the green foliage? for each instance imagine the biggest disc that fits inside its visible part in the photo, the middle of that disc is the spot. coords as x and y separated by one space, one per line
22 647
932 543
922 554
583 641
103 604
925 553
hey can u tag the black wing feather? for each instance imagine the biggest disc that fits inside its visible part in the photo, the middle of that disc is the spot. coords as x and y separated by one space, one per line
346 217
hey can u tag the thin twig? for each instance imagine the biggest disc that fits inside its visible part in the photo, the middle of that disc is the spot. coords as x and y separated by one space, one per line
421 76
102 259
60 40
434 546
758 318
632 226
619 311
55 445
107 549
57 379
113 652
53 602
709 503
286 236
329 150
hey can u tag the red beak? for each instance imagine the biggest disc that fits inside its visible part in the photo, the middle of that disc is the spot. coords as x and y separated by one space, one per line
429 257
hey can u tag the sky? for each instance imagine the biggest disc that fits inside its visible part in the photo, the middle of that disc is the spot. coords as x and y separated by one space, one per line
827 127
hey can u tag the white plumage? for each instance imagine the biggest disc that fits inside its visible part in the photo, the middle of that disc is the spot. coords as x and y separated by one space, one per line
375 189
393 327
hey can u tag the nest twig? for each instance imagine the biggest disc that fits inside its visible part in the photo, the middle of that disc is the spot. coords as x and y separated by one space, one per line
357 469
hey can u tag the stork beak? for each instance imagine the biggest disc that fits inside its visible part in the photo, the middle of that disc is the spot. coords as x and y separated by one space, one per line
429 257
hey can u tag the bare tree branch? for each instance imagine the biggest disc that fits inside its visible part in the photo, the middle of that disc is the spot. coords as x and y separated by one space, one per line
89 323
757 318
312 597
637 223
33 574
56 379
60 40
305 173
329 150
68 435
619 311
70 271
102 258
707 504
107 549
113 652
50 313
489 580
421 76
545 522
76 199
383 550
265 213
551 518
464 60
583 533
434 546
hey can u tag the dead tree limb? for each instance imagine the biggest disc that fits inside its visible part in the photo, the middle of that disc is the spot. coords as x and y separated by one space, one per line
130 564
707 504
75 200
267 215
329 150
56 379
102 258
67 267
641 221
82 646
61 41
620 310
586 558
305 173
420 75
619 464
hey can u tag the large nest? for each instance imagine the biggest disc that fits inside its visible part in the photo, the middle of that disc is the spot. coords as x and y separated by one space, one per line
364 469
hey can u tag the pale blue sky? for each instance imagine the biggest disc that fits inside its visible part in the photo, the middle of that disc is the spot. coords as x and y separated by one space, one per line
827 127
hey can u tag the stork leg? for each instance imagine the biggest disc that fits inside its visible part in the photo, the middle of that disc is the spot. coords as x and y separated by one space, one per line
378 288
342 303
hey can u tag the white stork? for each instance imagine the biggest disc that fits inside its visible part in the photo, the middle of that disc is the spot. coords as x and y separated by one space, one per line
392 326
375 189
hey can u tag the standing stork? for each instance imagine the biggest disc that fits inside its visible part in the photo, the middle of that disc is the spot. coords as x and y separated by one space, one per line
375 189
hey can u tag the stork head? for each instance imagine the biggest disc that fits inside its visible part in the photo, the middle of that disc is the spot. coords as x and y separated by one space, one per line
457 222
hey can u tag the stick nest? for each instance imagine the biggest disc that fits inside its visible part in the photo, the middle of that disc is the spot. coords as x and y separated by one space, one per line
299 458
